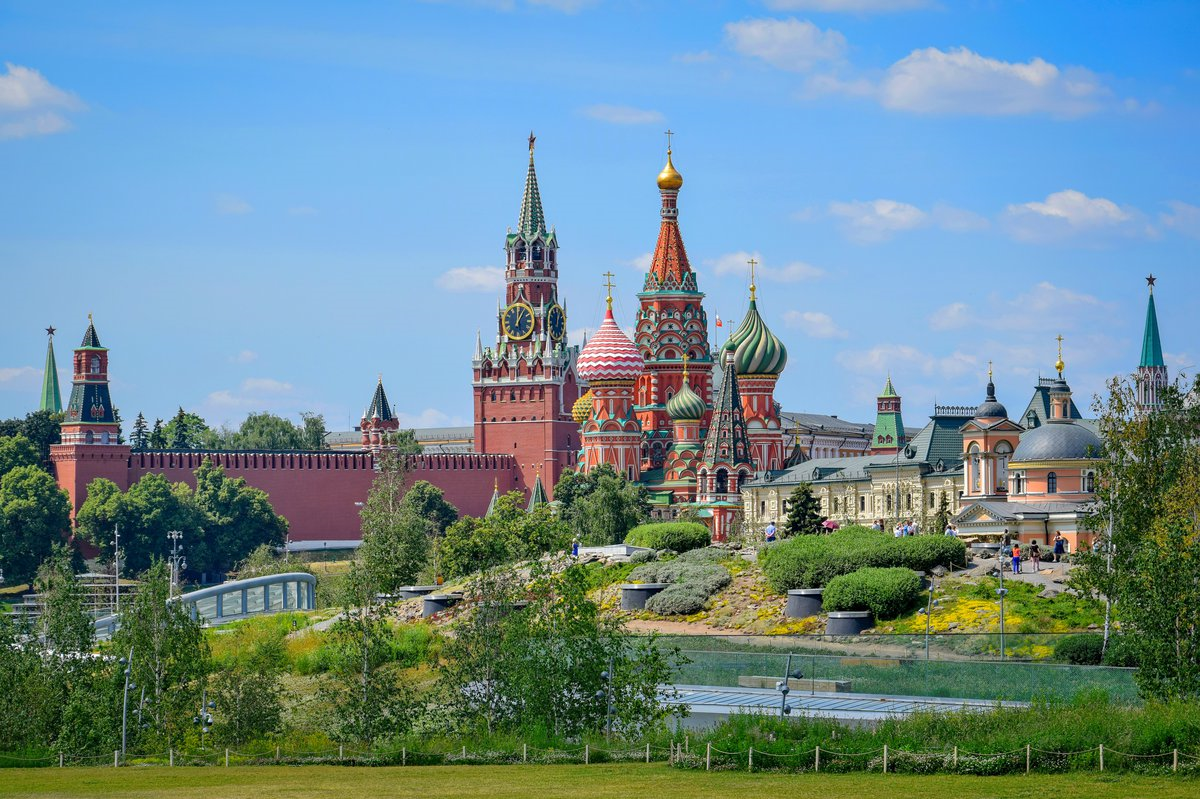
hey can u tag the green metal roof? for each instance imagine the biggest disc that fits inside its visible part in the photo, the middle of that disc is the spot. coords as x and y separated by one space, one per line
1151 344
51 393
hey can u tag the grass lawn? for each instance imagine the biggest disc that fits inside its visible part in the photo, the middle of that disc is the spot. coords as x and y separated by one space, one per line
498 782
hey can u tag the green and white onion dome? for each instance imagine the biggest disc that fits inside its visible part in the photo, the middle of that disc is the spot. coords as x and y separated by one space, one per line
686 406
757 351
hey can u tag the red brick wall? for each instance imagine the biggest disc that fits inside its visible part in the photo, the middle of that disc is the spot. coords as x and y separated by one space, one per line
315 492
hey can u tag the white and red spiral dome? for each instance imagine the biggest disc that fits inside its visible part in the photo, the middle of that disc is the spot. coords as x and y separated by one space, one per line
610 355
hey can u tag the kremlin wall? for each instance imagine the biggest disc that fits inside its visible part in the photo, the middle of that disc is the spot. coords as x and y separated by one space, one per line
650 406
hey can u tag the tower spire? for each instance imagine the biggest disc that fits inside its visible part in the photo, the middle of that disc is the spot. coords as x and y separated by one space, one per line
1152 375
532 221
1059 365
51 394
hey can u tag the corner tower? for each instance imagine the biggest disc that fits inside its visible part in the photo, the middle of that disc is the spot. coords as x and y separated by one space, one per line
671 323
1152 370
888 437
525 385
378 421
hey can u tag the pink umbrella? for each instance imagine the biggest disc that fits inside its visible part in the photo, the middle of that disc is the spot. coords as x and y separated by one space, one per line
830 524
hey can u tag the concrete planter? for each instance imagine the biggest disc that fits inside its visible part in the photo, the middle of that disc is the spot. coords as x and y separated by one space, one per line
634 596
849 622
414 591
803 603
436 603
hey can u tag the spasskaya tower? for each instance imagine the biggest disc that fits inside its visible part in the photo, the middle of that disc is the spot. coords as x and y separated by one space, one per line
525 385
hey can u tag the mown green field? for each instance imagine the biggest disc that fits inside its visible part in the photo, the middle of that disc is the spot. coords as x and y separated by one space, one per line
498 782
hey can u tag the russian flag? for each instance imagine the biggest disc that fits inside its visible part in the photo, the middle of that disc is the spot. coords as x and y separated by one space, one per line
719 322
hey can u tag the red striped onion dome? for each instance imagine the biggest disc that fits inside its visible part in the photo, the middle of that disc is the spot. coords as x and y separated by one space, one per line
610 355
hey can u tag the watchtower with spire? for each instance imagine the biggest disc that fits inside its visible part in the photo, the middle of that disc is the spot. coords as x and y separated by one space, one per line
1152 375
51 394
525 385
378 421
727 461
671 323
888 436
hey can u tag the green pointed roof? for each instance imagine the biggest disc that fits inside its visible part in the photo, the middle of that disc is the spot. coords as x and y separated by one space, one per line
888 391
51 394
532 222
1151 344
727 441
495 498
538 495
379 406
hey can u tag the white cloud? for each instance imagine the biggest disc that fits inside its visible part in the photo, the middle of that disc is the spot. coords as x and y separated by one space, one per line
1183 219
791 44
265 385
1070 214
903 357
430 417
472 279
255 392
950 317
245 356
18 374
622 114
877 220
642 263
228 204
959 81
31 106
737 263
814 323
847 6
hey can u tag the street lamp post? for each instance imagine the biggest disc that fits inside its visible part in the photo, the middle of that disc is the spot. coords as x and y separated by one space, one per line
605 693
784 688
129 686
178 564
204 719
116 568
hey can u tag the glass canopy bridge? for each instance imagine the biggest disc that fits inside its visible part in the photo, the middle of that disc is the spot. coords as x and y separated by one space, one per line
238 599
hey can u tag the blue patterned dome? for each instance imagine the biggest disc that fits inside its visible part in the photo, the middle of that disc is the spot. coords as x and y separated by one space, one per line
757 351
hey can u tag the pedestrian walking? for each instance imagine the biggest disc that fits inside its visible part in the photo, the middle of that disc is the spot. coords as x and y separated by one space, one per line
1016 556
1035 555
1060 547
770 532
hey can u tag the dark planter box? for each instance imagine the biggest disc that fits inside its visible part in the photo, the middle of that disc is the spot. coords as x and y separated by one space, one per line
804 602
634 596
436 603
849 622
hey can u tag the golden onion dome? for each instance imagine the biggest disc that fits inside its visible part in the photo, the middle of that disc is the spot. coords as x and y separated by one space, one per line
581 411
669 178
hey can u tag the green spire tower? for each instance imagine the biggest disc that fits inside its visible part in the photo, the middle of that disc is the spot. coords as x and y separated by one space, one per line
1152 375
889 423
51 394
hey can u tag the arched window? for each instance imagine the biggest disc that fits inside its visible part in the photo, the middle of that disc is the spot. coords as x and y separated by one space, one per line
1089 482
95 365
722 481
88 438
887 502
835 505
974 476
1052 483
1004 452
862 503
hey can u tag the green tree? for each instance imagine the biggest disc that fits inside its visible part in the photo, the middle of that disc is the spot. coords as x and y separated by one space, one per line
170 657
429 502
507 534
64 625
34 513
158 436
266 431
941 519
140 438
405 443
120 425
601 507
314 432
364 688
235 517
247 686
42 428
151 507
1147 517
185 430
803 512
17 450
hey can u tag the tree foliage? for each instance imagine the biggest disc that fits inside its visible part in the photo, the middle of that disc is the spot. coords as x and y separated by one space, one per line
34 513
41 428
401 526
64 625
17 450
508 533
222 520
803 512
941 519
1147 516
601 506
140 438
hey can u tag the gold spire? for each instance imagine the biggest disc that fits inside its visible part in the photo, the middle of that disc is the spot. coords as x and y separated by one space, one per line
669 179
685 360
608 284
753 263
989 371
1059 365
89 318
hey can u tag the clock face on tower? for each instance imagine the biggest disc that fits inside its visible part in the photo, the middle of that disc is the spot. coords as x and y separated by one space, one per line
518 321
556 321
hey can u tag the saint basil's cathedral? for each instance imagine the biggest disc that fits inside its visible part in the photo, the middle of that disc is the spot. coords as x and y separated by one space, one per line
696 427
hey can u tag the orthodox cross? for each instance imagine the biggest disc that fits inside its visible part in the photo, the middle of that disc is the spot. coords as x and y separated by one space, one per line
670 133
608 284
753 263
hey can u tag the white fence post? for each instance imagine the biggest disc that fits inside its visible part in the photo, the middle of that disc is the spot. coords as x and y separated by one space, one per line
341 752
464 754
956 755
587 753
1174 760
708 757
524 753
1102 757
60 759
277 752
817 759
647 753
404 755
116 757
885 758
687 743
1026 758
751 767
226 758
171 756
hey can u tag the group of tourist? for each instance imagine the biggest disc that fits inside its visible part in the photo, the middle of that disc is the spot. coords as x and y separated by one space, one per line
1012 549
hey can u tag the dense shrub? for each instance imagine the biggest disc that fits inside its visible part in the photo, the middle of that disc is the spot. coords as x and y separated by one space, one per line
812 561
643 556
676 536
680 599
1122 651
886 592
1082 650
705 555
710 577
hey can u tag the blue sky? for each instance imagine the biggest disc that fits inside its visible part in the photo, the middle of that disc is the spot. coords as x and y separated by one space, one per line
265 206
